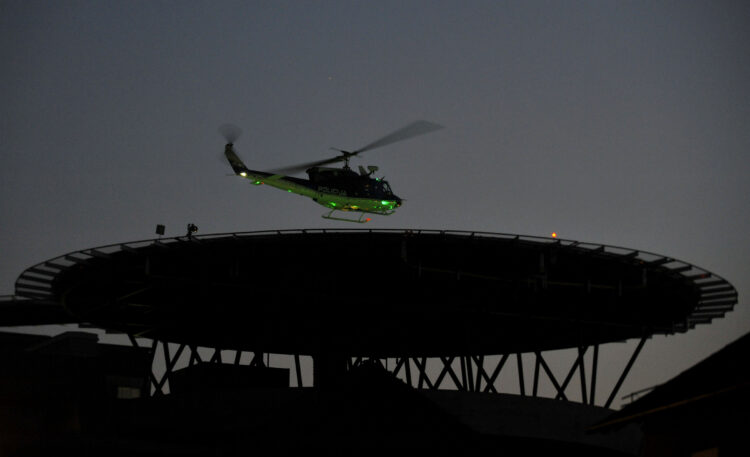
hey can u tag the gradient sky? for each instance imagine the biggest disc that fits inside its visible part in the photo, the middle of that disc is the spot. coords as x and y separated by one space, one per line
625 123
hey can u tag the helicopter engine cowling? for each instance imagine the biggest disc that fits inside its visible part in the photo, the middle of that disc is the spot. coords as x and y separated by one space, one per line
370 170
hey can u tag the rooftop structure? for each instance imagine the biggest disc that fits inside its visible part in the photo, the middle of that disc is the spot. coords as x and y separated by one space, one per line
439 304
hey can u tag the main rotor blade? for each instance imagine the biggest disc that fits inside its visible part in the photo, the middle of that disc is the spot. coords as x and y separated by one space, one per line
414 129
290 170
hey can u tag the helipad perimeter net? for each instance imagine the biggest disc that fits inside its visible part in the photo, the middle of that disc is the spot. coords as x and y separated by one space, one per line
379 293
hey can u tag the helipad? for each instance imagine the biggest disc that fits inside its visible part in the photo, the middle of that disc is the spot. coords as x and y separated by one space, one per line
376 292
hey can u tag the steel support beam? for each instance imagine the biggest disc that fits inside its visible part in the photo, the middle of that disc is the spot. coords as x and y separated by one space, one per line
448 369
407 371
479 360
400 363
257 360
465 381
521 383
491 380
157 386
151 380
626 371
298 370
195 356
576 364
550 375
169 363
423 378
594 363
535 387
582 370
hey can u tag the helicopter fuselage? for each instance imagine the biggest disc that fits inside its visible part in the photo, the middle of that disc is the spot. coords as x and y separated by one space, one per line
335 188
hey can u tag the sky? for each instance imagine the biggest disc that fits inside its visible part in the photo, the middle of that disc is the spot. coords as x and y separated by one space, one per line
623 123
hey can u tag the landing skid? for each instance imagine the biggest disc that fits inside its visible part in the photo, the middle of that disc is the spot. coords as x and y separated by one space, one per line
362 219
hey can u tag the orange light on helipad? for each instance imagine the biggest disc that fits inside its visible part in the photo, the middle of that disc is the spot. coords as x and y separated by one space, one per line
554 234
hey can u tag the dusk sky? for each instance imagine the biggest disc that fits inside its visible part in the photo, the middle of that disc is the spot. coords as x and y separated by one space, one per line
623 123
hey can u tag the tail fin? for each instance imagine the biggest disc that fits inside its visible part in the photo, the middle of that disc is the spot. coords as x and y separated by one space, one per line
234 159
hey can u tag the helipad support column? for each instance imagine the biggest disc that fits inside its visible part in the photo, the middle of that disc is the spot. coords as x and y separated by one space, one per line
328 370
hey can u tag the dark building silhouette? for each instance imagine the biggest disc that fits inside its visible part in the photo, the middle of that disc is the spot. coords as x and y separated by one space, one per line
704 411
58 391
69 394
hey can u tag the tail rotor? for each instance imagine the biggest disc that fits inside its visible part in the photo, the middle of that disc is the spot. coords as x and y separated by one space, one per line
230 132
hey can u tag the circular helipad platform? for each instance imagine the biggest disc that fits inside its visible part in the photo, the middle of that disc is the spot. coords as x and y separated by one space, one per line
378 292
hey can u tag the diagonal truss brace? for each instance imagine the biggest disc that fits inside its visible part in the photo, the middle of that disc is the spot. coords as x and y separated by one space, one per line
475 374
470 373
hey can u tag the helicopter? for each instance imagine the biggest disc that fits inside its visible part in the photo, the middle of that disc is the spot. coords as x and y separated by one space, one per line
337 189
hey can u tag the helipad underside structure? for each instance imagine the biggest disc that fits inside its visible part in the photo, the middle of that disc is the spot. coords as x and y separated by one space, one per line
376 293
